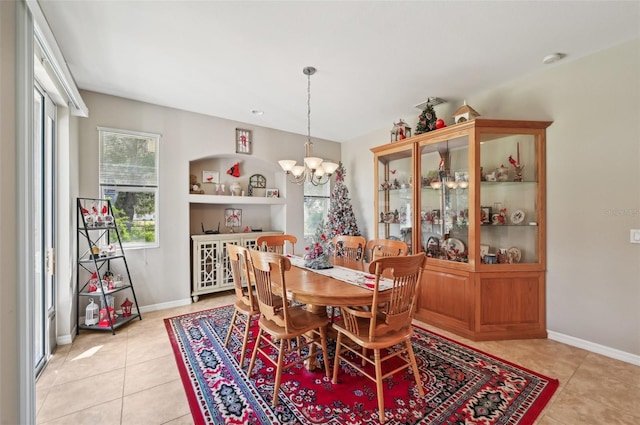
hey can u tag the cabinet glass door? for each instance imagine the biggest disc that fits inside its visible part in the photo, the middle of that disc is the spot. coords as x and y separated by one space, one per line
444 199
395 195
509 198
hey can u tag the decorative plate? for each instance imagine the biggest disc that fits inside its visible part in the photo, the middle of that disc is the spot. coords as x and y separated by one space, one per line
453 245
514 255
517 216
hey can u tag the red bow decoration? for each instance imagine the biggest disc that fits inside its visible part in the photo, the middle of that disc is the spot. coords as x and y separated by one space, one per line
234 170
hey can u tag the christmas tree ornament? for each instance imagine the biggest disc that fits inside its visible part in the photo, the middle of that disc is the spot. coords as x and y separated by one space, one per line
440 123
426 120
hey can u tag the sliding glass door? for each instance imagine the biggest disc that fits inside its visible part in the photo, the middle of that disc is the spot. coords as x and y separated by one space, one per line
43 228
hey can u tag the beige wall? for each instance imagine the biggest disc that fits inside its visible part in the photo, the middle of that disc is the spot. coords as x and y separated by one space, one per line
593 190
162 276
67 191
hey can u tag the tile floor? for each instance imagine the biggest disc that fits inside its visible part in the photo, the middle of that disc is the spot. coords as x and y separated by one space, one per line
132 378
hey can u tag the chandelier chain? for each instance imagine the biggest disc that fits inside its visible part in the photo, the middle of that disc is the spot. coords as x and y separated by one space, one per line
309 107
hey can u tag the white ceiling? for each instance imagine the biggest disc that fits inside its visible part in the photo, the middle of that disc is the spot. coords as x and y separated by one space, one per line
375 60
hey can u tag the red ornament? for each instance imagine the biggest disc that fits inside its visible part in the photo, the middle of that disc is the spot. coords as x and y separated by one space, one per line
234 170
440 123
126 307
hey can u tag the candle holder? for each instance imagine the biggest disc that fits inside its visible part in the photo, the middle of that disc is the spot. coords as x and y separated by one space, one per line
517 165
518 169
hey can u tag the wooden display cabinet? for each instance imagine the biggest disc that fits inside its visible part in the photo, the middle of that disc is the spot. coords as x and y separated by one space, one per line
476 188
394 171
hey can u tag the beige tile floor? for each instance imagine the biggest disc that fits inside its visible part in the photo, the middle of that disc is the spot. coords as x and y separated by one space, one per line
132 378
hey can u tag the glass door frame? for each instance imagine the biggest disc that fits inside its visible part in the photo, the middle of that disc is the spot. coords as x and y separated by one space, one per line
43 196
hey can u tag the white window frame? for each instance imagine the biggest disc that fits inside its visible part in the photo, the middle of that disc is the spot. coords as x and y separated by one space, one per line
105 187
327 197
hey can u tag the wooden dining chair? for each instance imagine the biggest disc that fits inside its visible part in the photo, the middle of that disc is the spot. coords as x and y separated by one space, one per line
377 248
277 243
282 325
246 305
349 248
384 326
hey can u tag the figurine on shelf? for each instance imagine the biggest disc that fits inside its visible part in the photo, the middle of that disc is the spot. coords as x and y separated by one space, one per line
502 173
194 185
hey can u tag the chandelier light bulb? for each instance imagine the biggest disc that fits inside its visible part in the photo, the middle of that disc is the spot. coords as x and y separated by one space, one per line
297 171
313 162
287 164
319 171
330 167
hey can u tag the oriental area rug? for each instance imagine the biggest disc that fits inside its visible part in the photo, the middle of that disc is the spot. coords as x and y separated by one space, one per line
462 386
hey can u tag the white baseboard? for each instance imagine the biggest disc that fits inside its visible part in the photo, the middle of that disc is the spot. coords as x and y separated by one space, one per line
65 339
595 348
164 306
68 339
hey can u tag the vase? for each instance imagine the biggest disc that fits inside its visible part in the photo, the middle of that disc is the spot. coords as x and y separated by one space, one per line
235 189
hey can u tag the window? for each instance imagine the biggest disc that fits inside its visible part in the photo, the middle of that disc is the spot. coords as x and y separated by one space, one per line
129 178
316 207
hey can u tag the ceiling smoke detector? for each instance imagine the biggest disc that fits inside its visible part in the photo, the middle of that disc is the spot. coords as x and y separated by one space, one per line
432 100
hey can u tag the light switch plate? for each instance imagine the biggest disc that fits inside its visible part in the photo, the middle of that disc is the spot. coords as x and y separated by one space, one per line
635 236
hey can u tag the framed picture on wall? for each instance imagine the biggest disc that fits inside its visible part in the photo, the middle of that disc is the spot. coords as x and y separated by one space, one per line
243 141
210 177
233 217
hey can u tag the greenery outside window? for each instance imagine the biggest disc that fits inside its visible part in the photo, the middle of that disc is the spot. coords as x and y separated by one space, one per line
129 178
316 207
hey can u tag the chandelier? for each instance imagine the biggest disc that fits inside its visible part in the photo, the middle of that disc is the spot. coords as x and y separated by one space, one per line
315 170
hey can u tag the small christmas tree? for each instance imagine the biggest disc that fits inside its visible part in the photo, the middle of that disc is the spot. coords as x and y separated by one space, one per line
426 120
340 218
317 254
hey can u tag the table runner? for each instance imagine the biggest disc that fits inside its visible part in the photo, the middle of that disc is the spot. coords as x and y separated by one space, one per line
345 274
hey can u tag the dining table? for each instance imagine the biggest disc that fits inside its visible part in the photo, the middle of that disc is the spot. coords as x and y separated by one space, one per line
319 290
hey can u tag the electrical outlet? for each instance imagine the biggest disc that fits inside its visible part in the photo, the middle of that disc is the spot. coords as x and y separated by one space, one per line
635 236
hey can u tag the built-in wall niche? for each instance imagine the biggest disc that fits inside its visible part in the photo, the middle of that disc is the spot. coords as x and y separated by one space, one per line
208 209
207 170
253 216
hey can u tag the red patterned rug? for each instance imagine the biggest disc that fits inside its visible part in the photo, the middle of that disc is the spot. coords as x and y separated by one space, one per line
462 386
